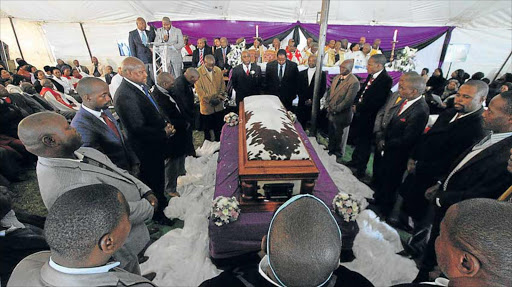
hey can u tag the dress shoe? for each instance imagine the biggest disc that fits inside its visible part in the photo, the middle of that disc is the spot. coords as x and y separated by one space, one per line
150 276
173 194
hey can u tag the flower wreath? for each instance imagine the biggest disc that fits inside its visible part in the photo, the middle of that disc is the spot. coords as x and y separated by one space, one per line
231 119
346 206
224 210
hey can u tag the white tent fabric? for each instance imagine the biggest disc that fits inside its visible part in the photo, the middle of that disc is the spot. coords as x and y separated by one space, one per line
50 29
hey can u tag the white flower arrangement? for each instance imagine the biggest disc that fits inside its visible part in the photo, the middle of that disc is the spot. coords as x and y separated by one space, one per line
224 210
346 206
405 60
291 116
235 55
231 119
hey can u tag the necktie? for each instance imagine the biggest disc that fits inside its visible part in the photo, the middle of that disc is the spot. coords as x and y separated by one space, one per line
144 39
339 82
201 57
402 107
366 88
224 55
248 70
110 124
280 72
398 100
149 97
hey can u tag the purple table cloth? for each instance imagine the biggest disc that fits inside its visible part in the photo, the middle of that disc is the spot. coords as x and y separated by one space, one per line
245 234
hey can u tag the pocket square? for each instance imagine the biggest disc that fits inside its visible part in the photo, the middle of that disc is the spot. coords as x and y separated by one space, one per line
402 120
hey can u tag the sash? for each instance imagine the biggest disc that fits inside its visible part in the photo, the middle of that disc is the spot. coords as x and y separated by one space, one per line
57 97
189 51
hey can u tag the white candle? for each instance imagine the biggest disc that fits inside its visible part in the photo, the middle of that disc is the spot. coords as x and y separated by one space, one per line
257 32
394 35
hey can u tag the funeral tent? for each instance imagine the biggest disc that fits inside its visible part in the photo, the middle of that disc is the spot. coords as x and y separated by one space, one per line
480 31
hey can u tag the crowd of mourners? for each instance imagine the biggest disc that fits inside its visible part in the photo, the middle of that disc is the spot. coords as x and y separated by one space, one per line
109 146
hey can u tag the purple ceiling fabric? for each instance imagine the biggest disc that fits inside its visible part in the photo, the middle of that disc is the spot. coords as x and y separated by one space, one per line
407 36
232 30
244 235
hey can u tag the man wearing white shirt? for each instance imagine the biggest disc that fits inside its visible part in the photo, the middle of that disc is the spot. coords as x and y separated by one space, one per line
98 127
139 41
306 84
80 68
116 81
400 137
84 228
57 76
481 172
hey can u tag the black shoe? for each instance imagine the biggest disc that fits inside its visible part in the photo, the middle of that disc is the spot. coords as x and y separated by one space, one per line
150 276
153 230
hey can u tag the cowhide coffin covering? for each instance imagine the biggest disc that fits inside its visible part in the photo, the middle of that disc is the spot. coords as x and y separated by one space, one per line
270 134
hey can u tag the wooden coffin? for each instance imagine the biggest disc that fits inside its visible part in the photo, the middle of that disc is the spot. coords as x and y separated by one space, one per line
255 169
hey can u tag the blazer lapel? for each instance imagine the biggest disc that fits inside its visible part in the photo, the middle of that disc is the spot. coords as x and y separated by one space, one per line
486 152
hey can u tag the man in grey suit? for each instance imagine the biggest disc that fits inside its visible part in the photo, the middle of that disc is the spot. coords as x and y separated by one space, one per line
173 37
139 40
84 228
339 102
63 165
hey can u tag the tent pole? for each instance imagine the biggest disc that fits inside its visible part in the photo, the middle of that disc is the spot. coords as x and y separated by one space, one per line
319 61
16 37
502 66
85 38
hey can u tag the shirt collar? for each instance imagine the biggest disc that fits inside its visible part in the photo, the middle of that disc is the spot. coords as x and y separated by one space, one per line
93 112
135 84
79 157
497 137
162 90
377 74
78 271
410 102
264 266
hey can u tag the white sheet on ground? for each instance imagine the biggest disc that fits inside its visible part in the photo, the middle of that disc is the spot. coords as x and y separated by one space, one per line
181 258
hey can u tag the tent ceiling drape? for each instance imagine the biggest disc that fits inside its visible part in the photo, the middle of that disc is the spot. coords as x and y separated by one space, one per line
470 14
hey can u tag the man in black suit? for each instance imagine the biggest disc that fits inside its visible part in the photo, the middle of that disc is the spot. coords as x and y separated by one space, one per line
98 127
401 134
146 127
139 40
221 56
371 97
246 78
474 244
480 172
281 79
305 89
182 89
455 131
177 145
200 53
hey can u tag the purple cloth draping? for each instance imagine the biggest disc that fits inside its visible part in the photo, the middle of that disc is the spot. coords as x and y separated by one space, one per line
232 30
245 234
394 75
407 36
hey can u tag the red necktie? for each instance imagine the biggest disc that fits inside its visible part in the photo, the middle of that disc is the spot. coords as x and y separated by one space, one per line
248 70
110 124
200 57
366 88
402 107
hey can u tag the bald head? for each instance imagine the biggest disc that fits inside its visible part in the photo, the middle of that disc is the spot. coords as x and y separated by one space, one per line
94 92
141 24
192 75
304 228
165 80
48 134
134 70
411 85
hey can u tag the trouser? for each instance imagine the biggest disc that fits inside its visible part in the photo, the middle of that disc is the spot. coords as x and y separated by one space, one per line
392 172
174 167
362 152
336 135
430 259
150 81
152 173
422 231
213 122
